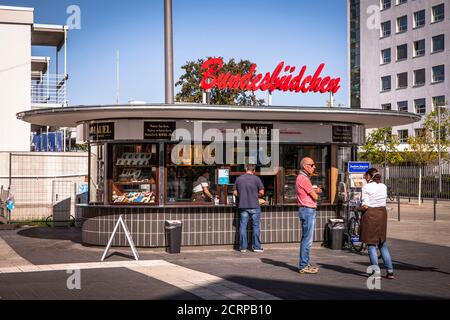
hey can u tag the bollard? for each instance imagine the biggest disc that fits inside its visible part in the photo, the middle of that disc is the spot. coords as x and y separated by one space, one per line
434 208
398 207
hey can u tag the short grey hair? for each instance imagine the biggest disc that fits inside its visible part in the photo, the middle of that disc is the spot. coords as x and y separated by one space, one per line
302 162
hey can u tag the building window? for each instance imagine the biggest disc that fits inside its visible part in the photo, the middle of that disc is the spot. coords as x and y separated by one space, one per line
403 135
402 24
386 83
419 18
385 4
386 56
401 1
420 132
402 80
184 177
386 29
419 77
402 106
386 106
438 101
419 48
419 106
437 13
291 156
402 52
438 43
438 73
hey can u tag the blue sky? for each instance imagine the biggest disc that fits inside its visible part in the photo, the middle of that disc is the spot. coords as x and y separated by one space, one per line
266 32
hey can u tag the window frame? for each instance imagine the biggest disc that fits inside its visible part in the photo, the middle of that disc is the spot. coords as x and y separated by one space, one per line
433 42
415 54
433 80
398 82
400 28
406 52
390 83
415 84
399 108
424 106
416 25
433 17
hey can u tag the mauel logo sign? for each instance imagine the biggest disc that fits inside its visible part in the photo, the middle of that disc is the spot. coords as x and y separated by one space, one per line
270 81
101 131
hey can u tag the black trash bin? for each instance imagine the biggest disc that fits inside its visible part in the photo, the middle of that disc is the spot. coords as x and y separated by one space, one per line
335 234
173 236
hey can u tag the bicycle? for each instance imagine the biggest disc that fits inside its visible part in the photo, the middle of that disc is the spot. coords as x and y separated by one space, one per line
353 229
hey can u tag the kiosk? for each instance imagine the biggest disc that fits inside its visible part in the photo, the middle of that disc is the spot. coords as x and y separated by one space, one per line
139 169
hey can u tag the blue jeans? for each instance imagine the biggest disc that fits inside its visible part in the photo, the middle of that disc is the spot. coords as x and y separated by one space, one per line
384 254
255 215
307 218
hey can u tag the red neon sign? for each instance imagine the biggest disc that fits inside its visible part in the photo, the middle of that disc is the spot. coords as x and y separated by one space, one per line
270 81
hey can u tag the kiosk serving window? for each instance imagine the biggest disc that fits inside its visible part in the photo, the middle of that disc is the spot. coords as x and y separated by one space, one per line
185 170
134 173
292 155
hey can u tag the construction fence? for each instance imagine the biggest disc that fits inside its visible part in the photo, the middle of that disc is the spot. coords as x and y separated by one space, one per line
42 182
427 182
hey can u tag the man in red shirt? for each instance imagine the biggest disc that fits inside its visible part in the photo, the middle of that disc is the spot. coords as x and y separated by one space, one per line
307 196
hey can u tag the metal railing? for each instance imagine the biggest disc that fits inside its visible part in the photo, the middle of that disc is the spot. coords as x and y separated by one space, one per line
49 89
427 182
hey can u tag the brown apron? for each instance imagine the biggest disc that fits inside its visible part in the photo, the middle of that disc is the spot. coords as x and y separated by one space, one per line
374 225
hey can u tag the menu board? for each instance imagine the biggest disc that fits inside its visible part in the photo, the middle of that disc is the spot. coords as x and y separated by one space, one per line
342 134
159 130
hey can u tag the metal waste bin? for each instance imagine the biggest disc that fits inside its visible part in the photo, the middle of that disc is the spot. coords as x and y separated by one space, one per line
335 234
173 236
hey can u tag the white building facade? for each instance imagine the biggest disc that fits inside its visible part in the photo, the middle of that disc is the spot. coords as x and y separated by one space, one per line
26 81
399 57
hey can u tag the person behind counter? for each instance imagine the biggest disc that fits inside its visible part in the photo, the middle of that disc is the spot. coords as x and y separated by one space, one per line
374 220
200 190
248 187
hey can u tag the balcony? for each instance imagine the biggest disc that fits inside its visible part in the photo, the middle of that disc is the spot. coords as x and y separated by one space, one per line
48 90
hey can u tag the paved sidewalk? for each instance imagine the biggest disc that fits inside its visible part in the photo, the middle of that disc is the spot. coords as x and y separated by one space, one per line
39 257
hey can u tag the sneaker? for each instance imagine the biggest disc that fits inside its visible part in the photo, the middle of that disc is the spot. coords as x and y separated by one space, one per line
243 250
390 276
258 250
308 269
313 267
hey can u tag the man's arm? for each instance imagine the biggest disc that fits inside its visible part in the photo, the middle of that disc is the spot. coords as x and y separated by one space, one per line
206 191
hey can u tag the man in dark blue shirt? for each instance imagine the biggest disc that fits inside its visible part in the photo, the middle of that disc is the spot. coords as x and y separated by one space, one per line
248 187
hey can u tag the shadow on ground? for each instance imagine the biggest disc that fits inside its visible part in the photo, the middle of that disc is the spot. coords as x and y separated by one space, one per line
73 234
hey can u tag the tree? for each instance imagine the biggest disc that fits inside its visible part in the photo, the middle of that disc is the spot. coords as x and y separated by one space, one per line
381 144
191 91
425 147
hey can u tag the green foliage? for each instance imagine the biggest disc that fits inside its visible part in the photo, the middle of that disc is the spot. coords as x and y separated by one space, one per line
191 91
377 142
425 148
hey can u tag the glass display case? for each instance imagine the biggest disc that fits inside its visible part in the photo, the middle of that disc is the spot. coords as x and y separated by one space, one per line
291 156
134 177
97 173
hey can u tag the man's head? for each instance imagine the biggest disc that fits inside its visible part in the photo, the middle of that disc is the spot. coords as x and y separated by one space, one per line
308 165
206 174
250 168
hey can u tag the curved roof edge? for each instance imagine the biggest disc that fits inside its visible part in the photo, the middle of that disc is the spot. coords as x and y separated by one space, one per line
71 116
